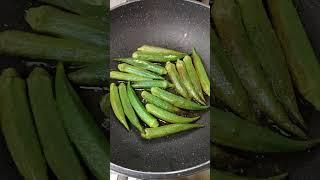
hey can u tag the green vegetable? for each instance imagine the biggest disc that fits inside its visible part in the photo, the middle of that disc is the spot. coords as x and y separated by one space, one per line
168 116
91 75
186 80
18 129
201 71
128 110
159 102
42 47
269 54
152 133
47 19
154 83
227 18
176 80
105 105
221 175
156 57
302 61
57 148
193 76
176 100
155 49
144 65
139 108
232 131
117 106
226 84
127 76
138 71
83 132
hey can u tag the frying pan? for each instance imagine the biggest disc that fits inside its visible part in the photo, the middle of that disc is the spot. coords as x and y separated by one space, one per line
12 17
176 24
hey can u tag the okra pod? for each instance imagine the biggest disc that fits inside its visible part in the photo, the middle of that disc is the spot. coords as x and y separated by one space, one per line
47 19
193 76
176 80
91 75
227 18
154 83
155 49
117 106
137 71
301 59
270 54
168 116
18 127
42 47
221 175
127 76
156 57
144 65
159 102
140 109
176 100
230 130
186 81
128 110
201 71
152 133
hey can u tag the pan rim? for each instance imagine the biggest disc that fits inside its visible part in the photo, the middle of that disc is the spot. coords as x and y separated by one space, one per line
159 175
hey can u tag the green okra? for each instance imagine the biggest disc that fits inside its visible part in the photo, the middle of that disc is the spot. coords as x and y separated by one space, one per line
155 49
187 81
127 76
18 127
81 127
176 100
270 54
221 175
117 105
176 80
152 133
159 102
201 71
144 65
47 19
230 130
156 57
168 116
193 76
91 75
226 84
127 108
140 109
57 148
138 71
105 105
40 47
301 59
227 18
154 83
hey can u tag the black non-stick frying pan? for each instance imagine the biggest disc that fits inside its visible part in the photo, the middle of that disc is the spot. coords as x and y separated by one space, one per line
12 17
176 24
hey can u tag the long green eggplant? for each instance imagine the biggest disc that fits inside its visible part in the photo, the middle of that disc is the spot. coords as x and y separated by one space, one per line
81 127
227 18
57 147
270 54
303 63
226 84
91 75
40 47
47 19
230 130
221 175
18 128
